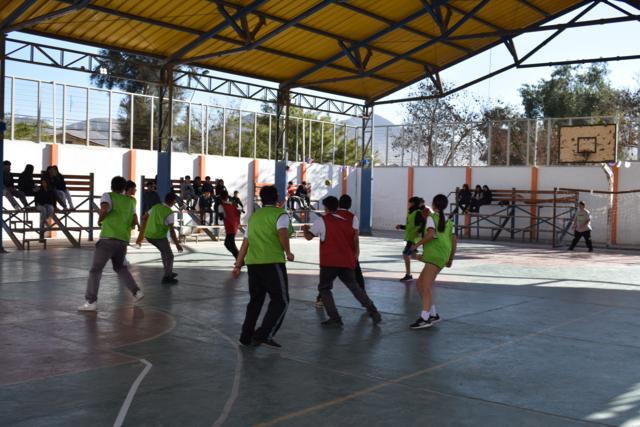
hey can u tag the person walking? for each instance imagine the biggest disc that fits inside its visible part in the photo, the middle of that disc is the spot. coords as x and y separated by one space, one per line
582 227
230 216
265 249
339 250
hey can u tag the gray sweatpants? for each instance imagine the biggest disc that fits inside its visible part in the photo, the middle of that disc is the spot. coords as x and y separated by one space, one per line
348 277
114 250
165 252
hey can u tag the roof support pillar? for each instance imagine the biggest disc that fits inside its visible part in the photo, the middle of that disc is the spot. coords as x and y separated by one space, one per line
281 157
165 126
3 125
366 171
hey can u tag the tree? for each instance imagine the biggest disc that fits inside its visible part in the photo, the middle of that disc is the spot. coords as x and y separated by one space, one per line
441 131
138 74
571 91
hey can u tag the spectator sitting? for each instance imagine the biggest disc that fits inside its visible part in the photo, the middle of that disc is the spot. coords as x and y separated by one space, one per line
45 201
235 200
463 198
187 192
57 184
207 185
205 205
25 181
301 194
9 191
150 197
487 195
476 199
197 186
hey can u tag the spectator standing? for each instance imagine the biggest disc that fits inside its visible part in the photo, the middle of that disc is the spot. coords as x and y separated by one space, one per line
237 202
231 218
150 197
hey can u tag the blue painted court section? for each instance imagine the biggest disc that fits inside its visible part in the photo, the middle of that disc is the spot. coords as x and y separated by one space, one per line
529 337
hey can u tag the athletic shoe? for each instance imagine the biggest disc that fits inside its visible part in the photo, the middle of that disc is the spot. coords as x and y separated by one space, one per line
376 317
169 280
421 323
406 278
266 341
245 341
332 322
174 275
88 306
138 296
434 319
590 250
319 303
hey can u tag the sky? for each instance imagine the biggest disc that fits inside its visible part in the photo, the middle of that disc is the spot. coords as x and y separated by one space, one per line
589 42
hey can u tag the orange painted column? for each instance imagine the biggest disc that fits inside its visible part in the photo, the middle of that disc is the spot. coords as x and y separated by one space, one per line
256 177
132 165
467 216
345 182
534 197
53 155
202 166
303 171
410 182
614 207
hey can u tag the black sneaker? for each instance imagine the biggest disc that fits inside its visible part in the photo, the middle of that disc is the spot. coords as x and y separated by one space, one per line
434 319
174 275
376 317
421 323
406 278
168 280
319 303
266 341
332 322
245 341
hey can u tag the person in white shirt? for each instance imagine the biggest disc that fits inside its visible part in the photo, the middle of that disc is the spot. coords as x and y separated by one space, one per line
582 227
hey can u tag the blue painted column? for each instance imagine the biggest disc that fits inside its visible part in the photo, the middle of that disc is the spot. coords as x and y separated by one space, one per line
366 182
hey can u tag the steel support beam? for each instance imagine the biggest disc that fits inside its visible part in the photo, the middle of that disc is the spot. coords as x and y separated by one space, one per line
77 5
366 172
15 15
282 108
165 124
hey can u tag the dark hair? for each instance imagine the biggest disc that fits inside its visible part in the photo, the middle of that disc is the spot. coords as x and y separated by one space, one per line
236 192
415 202
581 203
465 186
197 177
440 202
187 177
130 185
290 183
207 177
269 195
28 169
151 182
345 201
118 184
170 198
6 163
485 187
331 203
478 188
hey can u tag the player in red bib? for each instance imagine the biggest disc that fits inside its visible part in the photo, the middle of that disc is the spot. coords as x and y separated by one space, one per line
339 249
230 214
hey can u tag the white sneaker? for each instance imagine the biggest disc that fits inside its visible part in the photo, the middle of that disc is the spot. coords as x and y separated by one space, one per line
138 296
126 262
88 306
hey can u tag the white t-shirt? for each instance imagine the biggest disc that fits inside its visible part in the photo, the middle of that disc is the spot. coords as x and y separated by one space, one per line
319 229
283 222
106 198
430 223
171 218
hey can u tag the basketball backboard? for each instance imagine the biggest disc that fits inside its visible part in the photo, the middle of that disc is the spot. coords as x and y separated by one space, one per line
588 144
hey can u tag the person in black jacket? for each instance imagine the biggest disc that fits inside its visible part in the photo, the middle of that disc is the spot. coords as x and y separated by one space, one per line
58 184
236 201
150 197
487 195
205 205
45 200
9 190
25 181
464 198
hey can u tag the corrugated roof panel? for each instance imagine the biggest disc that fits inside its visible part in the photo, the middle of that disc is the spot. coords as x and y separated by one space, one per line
273 61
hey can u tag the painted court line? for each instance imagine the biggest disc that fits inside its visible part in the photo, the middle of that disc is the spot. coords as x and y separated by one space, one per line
395 381
132 392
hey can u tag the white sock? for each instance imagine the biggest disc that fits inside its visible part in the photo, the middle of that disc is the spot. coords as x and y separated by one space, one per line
433 311
425 315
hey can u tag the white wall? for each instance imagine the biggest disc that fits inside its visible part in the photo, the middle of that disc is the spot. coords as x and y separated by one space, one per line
389 197
628 205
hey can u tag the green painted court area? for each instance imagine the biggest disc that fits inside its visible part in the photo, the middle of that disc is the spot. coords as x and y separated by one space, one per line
530 337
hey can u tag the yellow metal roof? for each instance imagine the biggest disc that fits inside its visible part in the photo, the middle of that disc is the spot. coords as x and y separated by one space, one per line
360 48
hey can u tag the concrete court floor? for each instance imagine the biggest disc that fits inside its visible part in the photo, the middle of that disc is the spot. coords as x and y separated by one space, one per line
530 337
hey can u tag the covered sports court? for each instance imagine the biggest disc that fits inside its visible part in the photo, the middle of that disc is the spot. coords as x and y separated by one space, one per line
531 335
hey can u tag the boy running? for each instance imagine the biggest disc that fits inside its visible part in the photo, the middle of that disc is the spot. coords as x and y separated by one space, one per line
230 215
339 249
116 218
582 227
155 226
412 234
265 250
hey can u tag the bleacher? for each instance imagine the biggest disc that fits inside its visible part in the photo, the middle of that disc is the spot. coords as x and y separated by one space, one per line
519 214
23 225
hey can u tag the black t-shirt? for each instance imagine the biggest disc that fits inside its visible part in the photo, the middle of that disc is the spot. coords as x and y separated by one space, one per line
44 197
7 179
205 203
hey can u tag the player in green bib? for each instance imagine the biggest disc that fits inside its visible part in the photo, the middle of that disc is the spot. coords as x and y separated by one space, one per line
439 244
116 218
156 224
412 233
265 250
